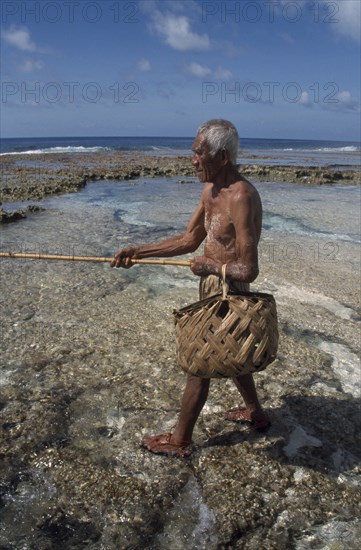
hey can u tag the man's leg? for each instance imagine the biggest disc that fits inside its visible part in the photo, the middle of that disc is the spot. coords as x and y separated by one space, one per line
253 411
179 442
246 386
194 397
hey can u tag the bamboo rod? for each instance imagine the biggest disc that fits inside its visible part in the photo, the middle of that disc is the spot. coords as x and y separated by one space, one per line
35 256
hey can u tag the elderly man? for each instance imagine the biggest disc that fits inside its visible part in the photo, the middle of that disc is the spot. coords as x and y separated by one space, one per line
229 218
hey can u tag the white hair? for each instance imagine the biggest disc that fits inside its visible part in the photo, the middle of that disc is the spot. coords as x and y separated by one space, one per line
221 134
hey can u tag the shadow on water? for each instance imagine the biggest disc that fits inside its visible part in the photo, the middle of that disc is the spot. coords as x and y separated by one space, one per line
322 433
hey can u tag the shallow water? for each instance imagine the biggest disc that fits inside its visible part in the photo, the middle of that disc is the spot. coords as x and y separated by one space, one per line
109 215
88 367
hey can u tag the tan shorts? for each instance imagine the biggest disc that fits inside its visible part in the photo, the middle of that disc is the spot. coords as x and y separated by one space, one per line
212 284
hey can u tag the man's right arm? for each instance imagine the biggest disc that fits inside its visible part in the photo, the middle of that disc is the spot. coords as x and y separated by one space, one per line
184 243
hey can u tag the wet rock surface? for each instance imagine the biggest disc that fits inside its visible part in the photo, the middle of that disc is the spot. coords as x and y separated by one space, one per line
16 215
24 178
85 385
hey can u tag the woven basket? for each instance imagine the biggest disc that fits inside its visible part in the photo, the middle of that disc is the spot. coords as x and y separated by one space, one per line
227 335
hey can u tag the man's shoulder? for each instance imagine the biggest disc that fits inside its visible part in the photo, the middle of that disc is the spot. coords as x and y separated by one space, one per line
243 186
246 196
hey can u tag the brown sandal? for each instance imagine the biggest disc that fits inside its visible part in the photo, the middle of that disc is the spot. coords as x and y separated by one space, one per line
161 445
258 421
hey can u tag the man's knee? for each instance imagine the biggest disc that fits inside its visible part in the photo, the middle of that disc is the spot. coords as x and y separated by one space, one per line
197 381
244 379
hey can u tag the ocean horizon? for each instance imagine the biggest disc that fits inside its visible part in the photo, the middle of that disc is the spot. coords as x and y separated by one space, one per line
145 143
272 151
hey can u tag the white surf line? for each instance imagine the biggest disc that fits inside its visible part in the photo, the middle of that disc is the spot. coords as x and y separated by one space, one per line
306 296
346 365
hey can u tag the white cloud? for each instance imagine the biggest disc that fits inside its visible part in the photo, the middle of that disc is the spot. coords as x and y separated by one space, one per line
343 101
176 32
345 17
346 100
144 65
344 96
181 5
30 65
305 99
174 6
19 37
199 70
222 74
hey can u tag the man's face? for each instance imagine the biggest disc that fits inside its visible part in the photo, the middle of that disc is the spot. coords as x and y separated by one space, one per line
207 166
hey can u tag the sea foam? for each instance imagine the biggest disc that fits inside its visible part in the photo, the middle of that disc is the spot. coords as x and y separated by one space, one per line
68 149
346 149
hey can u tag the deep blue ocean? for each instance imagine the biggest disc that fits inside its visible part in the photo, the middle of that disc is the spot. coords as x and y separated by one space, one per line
53 144
270 151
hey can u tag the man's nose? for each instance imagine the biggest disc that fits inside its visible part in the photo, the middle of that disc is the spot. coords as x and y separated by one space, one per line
195 161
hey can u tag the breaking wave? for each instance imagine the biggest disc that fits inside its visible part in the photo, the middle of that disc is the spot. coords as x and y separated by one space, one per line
68 149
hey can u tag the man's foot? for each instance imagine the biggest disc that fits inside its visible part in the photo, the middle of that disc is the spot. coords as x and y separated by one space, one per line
259 420
162 445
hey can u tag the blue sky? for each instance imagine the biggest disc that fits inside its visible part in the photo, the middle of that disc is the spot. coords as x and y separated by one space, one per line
276 68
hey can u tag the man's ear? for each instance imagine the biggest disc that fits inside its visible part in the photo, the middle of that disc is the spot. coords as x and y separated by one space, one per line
225 157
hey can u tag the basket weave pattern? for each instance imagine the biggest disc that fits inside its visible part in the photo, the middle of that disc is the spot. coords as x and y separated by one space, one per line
227 335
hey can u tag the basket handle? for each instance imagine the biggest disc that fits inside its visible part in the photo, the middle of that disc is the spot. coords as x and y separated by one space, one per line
225 286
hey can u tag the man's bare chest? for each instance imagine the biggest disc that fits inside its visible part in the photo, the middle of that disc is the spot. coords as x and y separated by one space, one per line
218 222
